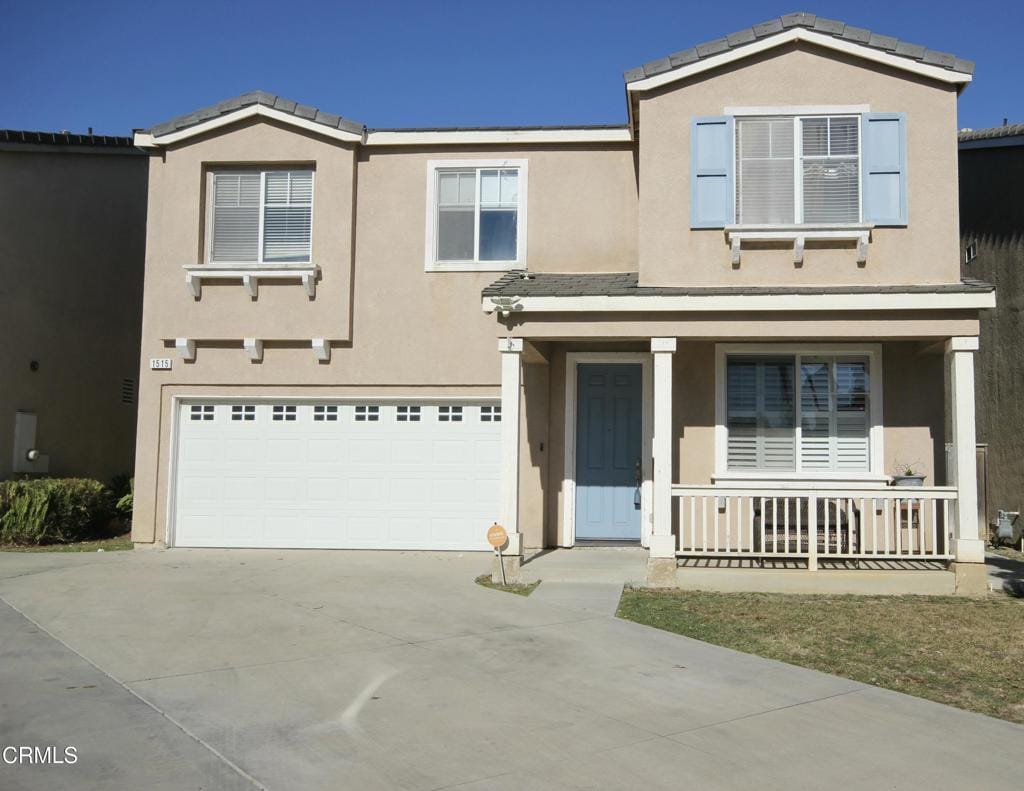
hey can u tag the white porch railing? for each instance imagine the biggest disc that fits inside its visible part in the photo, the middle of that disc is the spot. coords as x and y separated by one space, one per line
894 523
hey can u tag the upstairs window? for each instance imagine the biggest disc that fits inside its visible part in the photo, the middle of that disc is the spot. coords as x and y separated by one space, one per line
477 215
798 170
261 217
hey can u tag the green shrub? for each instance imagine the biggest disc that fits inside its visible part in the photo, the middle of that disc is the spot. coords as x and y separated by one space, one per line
125 494
54 511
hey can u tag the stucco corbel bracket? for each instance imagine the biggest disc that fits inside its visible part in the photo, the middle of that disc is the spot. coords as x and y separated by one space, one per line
254 348
252 285
798 251
309 283
186 348
195 285
322 349
735 247
862 249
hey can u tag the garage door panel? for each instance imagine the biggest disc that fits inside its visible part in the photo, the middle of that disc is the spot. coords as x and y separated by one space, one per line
336 475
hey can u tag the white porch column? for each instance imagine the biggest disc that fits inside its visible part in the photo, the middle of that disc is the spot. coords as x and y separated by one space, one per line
968 546
663 543
511 385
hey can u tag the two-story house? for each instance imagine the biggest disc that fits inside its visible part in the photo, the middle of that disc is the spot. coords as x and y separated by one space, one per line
717 331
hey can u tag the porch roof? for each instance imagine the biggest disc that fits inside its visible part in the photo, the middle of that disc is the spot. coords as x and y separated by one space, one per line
626 284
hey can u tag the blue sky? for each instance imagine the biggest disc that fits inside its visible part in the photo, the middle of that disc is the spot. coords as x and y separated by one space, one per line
117 65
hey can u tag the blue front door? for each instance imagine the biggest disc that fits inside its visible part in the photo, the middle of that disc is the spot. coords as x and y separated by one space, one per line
608 448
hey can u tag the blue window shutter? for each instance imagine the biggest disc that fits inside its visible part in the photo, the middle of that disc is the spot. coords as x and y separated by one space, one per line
712 158
884 168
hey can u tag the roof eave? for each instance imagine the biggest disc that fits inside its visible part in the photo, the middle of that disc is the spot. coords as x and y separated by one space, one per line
637 83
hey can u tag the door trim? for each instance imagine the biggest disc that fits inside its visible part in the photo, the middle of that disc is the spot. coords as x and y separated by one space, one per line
572 362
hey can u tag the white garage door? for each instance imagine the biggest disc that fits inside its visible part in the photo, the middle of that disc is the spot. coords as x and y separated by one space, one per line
368 475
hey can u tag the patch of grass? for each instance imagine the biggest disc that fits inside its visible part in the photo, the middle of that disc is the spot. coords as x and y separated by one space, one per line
518 588
963 652
114 544
1008 552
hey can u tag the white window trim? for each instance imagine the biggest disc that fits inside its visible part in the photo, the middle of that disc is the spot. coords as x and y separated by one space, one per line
793 232
572 362
259 263
876 470
430 262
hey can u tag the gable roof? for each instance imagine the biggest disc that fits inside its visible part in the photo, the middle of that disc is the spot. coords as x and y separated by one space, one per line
800 26
247 105
992 137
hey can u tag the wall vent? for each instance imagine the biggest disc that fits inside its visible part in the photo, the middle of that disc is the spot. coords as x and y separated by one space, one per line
128 391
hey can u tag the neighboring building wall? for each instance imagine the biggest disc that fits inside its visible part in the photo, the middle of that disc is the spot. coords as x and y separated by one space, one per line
72 242
671 254
992 219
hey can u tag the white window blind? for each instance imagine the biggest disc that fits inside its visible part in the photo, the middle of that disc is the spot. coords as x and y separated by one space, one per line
830 170
288 215
764 171
236 217
262 217
803 170
477 215
833 429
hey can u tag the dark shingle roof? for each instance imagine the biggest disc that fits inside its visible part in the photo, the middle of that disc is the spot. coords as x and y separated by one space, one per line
64 139
992 133
830 27
624 284
256 97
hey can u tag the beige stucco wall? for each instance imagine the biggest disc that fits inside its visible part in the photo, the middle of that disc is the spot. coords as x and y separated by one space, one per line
925 251
396 328
72 235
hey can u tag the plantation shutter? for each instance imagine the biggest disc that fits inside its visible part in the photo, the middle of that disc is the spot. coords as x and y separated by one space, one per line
764 171
884 152
852 423
712 203
288 215
834 422
761 412
236 217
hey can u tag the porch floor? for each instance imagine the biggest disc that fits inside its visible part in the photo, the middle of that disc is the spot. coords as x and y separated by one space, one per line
618 565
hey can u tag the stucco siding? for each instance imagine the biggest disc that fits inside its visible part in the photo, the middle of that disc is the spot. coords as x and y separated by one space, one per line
798 75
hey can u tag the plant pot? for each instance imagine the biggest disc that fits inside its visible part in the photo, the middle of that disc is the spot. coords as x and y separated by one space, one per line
908 480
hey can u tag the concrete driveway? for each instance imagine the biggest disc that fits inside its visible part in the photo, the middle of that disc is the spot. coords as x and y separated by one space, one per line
359 670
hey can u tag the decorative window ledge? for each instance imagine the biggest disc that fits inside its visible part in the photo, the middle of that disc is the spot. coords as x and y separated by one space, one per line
798 235
250 275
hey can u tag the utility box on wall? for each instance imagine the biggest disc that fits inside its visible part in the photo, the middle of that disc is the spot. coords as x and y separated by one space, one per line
24 443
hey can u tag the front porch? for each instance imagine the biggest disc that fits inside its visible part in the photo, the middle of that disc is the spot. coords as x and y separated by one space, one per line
706 525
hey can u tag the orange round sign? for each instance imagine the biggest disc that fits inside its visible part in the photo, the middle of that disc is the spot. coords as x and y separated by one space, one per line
496 536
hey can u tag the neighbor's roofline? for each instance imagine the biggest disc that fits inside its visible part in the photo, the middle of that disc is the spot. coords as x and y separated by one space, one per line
635 81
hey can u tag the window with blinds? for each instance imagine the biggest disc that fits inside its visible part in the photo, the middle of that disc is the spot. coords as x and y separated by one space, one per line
798 170
262 217
477 215
801 413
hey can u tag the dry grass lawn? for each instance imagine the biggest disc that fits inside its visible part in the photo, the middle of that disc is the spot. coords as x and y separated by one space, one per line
114 544
959 651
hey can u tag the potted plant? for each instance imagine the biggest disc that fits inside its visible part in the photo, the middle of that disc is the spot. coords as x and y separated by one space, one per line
907 474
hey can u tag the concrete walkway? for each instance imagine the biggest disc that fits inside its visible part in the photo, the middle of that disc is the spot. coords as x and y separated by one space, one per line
1005 574
366 670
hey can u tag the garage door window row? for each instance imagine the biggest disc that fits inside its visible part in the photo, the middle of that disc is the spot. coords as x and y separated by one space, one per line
361 413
